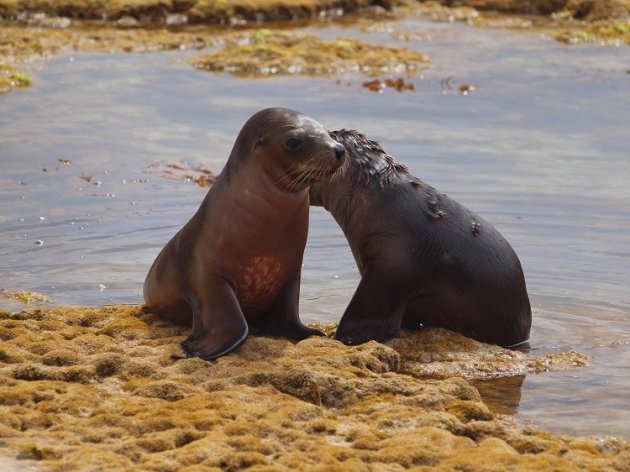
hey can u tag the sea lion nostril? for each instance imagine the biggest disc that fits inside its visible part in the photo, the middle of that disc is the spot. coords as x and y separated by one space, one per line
339 151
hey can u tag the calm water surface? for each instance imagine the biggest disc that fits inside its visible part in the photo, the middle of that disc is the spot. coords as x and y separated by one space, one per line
541 150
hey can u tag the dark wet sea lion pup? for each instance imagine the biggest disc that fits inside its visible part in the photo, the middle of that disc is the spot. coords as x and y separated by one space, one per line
423 258
237 262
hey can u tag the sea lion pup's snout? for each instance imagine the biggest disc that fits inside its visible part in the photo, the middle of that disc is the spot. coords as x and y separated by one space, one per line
303 150
340 151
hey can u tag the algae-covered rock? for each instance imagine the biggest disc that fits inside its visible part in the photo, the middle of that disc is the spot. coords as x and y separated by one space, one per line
268 53
20 44
10 78
107 395
439 353
591 10
597 10
132 12
23 42
607 33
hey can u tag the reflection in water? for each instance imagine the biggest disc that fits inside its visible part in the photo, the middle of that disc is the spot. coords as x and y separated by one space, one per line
539 150
502 395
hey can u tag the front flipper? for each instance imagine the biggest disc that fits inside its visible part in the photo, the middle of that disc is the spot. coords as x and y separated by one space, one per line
375 311
282 319
219 325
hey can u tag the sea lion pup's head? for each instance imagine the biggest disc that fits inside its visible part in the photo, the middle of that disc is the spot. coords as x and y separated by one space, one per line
293 149
366 165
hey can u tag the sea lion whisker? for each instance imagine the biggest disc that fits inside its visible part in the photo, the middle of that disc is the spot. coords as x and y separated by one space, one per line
294 181
289 176
309 174
298 177
292 185
302 178
321 165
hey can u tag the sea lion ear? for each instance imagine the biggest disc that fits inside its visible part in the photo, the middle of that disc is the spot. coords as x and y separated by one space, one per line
259 142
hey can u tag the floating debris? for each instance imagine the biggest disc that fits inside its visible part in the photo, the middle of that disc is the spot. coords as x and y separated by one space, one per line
465 89
198 174
448 84
201 180
412 36
378 85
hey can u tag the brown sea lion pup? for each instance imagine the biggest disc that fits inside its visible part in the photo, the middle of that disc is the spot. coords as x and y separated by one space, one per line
424 259
237 262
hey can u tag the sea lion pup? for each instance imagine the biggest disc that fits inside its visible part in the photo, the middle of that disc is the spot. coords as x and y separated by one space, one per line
424 259
237 262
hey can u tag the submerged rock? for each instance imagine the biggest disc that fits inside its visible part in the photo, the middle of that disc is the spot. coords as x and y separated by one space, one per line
10 79
97 388
439 353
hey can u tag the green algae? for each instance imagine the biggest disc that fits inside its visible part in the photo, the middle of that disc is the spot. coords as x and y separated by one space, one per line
25 297
605 33
11 78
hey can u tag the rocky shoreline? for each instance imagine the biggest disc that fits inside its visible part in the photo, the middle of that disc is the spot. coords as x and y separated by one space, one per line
99 388
223 12
86 388
37 29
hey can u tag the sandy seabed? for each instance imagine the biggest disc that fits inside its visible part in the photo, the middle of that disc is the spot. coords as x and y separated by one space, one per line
98 389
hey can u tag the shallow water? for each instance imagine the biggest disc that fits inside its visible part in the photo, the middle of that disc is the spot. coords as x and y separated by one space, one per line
540 150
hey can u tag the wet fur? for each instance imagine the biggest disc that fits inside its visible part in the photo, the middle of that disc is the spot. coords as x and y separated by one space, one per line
424 258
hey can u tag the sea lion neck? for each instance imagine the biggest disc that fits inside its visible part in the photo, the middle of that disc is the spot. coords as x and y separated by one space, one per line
262 178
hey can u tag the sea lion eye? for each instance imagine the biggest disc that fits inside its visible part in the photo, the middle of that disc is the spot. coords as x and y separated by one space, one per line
292 143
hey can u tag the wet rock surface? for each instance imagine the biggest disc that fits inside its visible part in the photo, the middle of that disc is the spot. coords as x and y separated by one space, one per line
90 388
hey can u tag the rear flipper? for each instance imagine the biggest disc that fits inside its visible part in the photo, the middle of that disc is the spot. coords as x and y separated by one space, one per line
219 325
282 319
